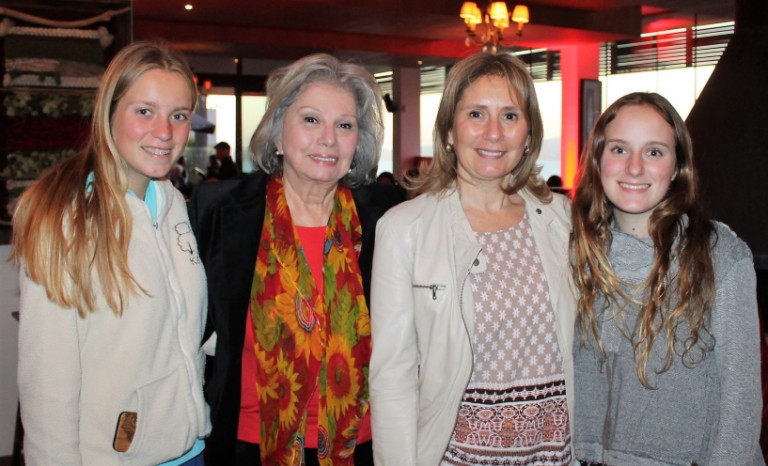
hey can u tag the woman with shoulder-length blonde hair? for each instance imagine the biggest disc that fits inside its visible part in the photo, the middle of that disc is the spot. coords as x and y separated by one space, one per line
442 172
112 288
471 304
667 357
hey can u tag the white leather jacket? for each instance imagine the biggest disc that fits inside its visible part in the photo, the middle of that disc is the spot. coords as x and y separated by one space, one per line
422 319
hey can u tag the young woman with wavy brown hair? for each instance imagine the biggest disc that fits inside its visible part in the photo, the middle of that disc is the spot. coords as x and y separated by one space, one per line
667 349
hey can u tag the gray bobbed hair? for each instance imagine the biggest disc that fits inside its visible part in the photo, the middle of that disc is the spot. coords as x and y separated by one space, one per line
286 84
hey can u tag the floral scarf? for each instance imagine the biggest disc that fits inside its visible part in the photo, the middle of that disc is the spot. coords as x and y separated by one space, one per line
306 343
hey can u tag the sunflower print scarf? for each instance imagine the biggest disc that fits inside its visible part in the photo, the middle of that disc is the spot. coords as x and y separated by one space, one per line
305 341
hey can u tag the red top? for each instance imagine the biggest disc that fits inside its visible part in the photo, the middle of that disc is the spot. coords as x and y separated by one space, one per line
249 426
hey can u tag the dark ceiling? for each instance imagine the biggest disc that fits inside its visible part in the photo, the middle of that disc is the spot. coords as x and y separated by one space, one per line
385 33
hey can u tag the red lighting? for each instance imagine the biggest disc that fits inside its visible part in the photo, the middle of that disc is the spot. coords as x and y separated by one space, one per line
666 24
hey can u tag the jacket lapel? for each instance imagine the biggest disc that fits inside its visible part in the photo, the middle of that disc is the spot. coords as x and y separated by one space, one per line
547 234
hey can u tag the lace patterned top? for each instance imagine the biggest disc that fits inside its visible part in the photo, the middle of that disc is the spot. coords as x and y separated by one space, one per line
514 410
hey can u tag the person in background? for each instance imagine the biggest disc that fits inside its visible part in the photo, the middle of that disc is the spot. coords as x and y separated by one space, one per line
472 311
179 178
212 169
289 250
387 178
178 173
227 168
667 357
112 287
555 184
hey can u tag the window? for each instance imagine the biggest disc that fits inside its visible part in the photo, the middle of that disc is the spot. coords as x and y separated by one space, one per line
676 64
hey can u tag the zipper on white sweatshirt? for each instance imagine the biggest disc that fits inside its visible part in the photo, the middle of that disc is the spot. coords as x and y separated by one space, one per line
189 355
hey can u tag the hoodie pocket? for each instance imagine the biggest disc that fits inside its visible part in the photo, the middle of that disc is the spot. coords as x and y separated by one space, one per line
164 428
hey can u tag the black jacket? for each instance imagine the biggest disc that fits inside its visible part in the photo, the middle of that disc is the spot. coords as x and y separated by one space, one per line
227 218
227 169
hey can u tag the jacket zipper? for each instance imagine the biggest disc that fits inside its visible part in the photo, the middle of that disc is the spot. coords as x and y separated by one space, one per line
461 309
434 289
466 327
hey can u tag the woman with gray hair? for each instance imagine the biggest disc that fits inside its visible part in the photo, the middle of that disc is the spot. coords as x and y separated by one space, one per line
288 250
471 308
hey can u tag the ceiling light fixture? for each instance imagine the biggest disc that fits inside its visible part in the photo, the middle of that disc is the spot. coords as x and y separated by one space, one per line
188 6
496 19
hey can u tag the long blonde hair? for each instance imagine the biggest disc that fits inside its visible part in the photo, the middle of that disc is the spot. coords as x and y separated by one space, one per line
66 233
680 232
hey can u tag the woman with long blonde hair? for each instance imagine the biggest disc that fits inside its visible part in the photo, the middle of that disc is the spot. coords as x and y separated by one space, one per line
112 288
667 350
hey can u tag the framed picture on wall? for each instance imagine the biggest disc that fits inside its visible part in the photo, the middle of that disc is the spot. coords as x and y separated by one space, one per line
591 103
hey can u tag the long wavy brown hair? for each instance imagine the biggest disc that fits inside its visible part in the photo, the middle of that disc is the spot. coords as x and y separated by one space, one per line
681 233
64 233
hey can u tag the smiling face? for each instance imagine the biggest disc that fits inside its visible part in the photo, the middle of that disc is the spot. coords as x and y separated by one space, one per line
150 126
319 136
637 165
490 132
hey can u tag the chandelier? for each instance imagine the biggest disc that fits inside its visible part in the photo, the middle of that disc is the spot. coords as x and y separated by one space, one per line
495 19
